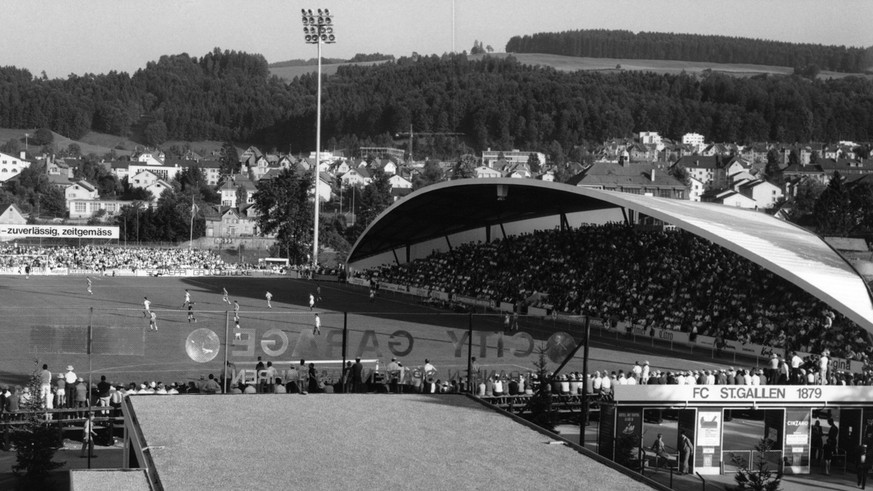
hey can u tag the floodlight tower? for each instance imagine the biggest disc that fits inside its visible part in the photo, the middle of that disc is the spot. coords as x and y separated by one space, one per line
317 29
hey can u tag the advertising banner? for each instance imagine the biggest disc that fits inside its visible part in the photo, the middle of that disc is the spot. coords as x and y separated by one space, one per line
745 394
797 441
12 232
707 453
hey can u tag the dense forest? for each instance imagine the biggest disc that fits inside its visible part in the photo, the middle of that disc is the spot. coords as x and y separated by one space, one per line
493 102
600 43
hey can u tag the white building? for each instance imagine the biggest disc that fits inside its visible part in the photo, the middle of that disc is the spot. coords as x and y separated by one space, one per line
651 138
11 166
694 139
80 190
510 156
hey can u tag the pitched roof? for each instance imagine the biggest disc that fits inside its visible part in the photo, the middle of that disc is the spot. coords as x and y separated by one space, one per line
614 174
698 162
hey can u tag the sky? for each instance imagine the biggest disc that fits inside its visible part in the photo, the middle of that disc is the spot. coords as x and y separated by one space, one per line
97 36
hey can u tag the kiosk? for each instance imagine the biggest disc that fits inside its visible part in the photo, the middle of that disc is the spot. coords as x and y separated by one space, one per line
727 423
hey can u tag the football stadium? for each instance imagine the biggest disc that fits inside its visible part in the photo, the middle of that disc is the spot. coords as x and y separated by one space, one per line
489 333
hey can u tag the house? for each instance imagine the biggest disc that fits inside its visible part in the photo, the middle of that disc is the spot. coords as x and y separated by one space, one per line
696 189
398 182
706 169
631 178
484 172
512 156
228 191
359 176
249 157
12 215
157 188
143 179
763 193
230 222
165 172
88 208
11 166
732 198
80 190
693 139
735 165
518 171
211 170
151 158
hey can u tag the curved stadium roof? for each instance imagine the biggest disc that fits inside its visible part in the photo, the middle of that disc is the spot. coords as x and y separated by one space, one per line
789 251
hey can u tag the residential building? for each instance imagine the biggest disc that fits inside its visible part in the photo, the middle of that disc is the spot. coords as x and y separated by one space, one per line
80 191
11 166
763 193
230 222
12 215
730 197
84 208
706 169
631 178
228 191
484 171
694 139
489 157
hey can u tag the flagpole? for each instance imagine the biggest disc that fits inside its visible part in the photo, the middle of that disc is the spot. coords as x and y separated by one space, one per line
191 228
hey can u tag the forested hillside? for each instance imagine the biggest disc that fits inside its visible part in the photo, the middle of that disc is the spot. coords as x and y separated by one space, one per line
495 103
599 43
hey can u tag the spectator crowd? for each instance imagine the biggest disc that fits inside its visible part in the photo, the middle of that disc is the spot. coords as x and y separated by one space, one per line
99 258
666 279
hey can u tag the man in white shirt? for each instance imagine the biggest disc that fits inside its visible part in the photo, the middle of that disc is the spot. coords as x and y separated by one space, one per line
644 378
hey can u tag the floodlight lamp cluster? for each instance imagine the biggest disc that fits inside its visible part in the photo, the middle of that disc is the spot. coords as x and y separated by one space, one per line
317 26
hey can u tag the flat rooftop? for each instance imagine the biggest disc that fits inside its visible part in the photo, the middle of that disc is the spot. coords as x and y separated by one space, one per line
355 441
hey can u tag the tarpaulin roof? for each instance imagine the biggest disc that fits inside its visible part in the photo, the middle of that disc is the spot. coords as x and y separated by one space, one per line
787 250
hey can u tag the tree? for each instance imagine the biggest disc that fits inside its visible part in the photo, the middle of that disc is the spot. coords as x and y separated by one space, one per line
464 167
802 203
757 476
74 150
431 174
833 209
155 133
43 136
375 197
533 162
37 440
12 147
229 159
540 404
285 209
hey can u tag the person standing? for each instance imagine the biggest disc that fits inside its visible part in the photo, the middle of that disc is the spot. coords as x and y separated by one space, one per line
394 376
318 292
235 310
358 376
224 298
817 442
237 331
88 435
187 301
830 445
823 363
685 450
316 329
88 279
313 380
153 321
191 312
45 387
70 379
147 306
311 301
103 393
269 298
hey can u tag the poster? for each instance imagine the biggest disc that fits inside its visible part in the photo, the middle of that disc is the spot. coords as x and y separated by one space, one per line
708 449
797 441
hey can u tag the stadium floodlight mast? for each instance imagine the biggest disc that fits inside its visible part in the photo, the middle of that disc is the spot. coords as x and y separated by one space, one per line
317 30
